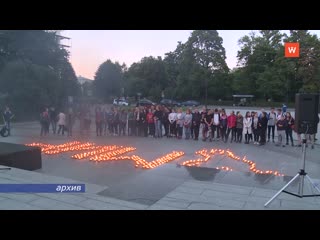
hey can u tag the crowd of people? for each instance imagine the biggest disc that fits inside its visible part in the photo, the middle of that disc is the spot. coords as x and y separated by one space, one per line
160 121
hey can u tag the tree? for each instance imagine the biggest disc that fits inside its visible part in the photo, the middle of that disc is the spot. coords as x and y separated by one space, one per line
108 80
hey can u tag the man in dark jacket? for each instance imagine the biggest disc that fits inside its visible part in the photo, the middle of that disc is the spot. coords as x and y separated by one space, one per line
7 116
262 127
195 126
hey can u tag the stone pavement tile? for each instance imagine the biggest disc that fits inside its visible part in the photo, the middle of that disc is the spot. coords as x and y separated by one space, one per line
3 197
176 203
22 197
225 195
259 192
65 197
254 202
98 205
162 207
191 190
63 206
225 202
119 202
205 206
219 187
10 204
290 205
44 203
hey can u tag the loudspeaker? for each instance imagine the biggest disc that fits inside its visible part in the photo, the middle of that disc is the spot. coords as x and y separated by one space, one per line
306 113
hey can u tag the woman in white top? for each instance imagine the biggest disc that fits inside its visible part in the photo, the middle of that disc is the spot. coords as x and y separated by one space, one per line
61 122
247 127
180 120
172 127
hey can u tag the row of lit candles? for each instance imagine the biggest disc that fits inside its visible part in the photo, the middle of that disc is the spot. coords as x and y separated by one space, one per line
112 155
228 153
98 150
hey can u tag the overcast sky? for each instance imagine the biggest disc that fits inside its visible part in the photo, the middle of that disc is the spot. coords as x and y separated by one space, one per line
90 48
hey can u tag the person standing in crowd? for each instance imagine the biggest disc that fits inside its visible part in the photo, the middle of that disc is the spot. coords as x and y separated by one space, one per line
187 124
232 121
208 120
87 120
247 127
137 121
279 114
99 121
151 124
122 122
262 126
70 121
203 125
116 121
239 127
172 120
216 124
53 119
284 108
255 128
157 122
61 122
223 125
196 119
165 121
281 128
44 121
144 124
272 117
131 123
7 116
105 120
180 121
289 127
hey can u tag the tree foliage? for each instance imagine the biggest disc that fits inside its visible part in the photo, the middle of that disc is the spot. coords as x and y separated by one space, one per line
34 71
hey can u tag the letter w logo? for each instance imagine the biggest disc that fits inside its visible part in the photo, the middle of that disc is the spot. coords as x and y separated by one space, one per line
292 50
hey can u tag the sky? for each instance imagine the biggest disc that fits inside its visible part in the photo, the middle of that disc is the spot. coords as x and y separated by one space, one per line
90 48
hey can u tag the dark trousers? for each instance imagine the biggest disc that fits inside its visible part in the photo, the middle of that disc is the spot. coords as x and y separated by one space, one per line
223 132
263 135
180 129
289 134
166 128
255 135
173 129
233 134
61 127
110 126
247 137
132 127
271 129
195 129
54 126
215 128
122 128
239 134
151 129
115 127
99 128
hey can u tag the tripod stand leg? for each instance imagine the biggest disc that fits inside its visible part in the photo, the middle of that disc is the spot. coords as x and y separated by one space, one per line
313 184
281 190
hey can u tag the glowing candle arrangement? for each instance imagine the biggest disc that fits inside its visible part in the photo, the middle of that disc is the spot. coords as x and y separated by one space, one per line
113 152
112 155
159 161
229 154
98 150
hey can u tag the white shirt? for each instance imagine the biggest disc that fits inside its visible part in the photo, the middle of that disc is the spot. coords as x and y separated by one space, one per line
172 117
62 119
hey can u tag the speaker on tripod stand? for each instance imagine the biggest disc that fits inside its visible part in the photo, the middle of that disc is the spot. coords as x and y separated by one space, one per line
306 122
